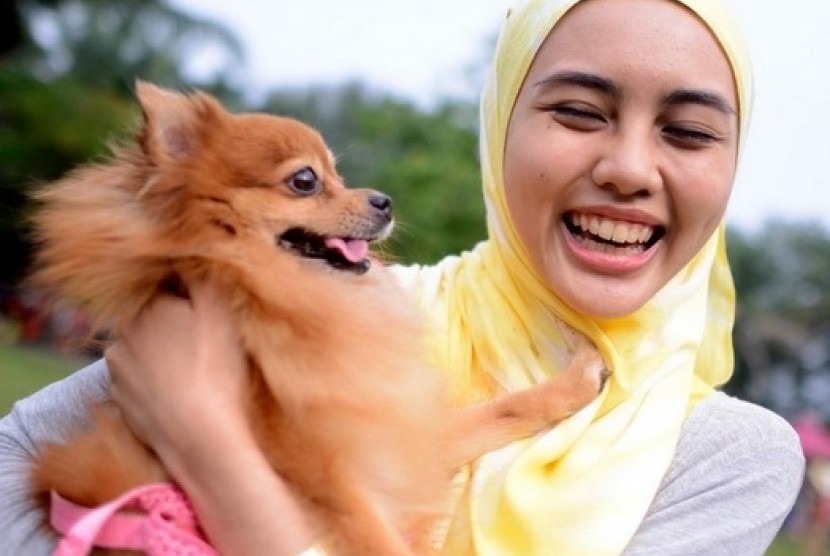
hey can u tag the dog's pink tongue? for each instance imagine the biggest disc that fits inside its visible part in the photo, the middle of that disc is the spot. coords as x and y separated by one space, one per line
354 250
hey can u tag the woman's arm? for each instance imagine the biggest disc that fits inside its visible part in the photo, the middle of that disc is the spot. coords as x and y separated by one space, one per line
179 375
47 416
735 476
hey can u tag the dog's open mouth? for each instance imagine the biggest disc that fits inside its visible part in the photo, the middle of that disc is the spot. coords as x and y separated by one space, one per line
341 253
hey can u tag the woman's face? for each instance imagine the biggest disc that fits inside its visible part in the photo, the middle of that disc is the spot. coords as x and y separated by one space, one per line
621 151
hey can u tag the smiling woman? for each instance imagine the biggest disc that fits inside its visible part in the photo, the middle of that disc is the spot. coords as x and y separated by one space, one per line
611 131
620 141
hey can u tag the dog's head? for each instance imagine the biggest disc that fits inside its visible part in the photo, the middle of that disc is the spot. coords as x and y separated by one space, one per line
228 175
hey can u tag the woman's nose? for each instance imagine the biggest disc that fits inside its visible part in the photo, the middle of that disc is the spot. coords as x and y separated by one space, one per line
628 165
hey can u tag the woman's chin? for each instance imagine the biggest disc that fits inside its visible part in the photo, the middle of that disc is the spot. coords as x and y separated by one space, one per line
600 296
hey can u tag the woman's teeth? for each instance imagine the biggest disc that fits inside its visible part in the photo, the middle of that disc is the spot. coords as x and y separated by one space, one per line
613 237
622 233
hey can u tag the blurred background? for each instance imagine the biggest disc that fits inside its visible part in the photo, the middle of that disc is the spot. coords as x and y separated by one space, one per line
394 90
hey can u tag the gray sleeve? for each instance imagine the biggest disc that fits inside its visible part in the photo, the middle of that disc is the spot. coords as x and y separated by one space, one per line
736 473
45 416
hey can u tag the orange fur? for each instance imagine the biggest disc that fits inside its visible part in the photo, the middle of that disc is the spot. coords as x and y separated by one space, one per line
340 399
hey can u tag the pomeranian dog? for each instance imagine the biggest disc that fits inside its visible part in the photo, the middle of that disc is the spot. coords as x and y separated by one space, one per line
341 400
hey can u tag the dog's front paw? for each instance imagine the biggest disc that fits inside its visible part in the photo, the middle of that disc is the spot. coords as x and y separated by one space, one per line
585 377
590 368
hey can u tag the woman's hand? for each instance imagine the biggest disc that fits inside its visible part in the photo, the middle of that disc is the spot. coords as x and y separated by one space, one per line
178 365
179 375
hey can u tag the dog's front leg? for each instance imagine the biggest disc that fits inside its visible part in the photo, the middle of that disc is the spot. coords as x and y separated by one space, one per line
488 426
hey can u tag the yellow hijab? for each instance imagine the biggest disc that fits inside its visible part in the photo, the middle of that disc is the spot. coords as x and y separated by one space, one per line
583 487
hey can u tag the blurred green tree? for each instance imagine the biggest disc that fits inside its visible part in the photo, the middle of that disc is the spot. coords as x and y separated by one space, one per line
67 69
782 338
14 30
106 44
44 130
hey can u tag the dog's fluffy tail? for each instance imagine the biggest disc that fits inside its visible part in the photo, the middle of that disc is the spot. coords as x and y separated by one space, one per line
97 465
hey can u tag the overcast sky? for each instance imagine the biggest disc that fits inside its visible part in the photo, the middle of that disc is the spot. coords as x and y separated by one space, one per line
424 49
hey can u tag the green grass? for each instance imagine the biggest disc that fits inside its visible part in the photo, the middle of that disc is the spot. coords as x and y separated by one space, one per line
24 370
786 545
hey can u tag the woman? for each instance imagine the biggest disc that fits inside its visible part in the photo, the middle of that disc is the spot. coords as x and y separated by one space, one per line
611 132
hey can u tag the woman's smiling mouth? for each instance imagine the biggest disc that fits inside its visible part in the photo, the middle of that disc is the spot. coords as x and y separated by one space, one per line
599 235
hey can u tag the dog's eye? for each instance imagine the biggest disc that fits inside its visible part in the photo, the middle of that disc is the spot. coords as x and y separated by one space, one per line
304 182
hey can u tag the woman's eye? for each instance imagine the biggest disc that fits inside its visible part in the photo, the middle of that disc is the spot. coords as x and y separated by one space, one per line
577 117
304 182
689 137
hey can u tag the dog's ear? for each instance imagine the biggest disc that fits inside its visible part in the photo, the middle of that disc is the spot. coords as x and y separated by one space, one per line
174 123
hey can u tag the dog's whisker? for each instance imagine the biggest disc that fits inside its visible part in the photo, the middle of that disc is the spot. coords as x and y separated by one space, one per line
148 185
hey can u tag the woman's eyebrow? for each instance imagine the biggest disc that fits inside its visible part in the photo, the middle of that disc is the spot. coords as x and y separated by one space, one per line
703 98
608 87
581 79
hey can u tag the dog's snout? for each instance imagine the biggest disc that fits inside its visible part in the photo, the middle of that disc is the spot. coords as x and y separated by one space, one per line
381 202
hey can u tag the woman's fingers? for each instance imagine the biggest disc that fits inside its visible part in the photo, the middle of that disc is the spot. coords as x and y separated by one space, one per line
176 362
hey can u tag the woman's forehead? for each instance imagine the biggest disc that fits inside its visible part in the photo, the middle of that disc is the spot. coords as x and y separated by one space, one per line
532 21
659 42
633 28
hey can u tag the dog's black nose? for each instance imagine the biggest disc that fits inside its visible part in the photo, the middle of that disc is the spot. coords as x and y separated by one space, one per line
381 202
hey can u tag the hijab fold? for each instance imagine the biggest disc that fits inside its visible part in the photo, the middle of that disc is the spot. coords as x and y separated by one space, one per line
584 486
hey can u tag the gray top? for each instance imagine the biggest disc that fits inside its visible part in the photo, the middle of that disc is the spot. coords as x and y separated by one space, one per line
735 475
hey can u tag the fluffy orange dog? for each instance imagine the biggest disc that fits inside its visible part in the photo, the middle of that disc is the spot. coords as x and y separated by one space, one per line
341 401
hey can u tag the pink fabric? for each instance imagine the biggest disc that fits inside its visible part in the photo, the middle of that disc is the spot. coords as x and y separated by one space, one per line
815 440
158 521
